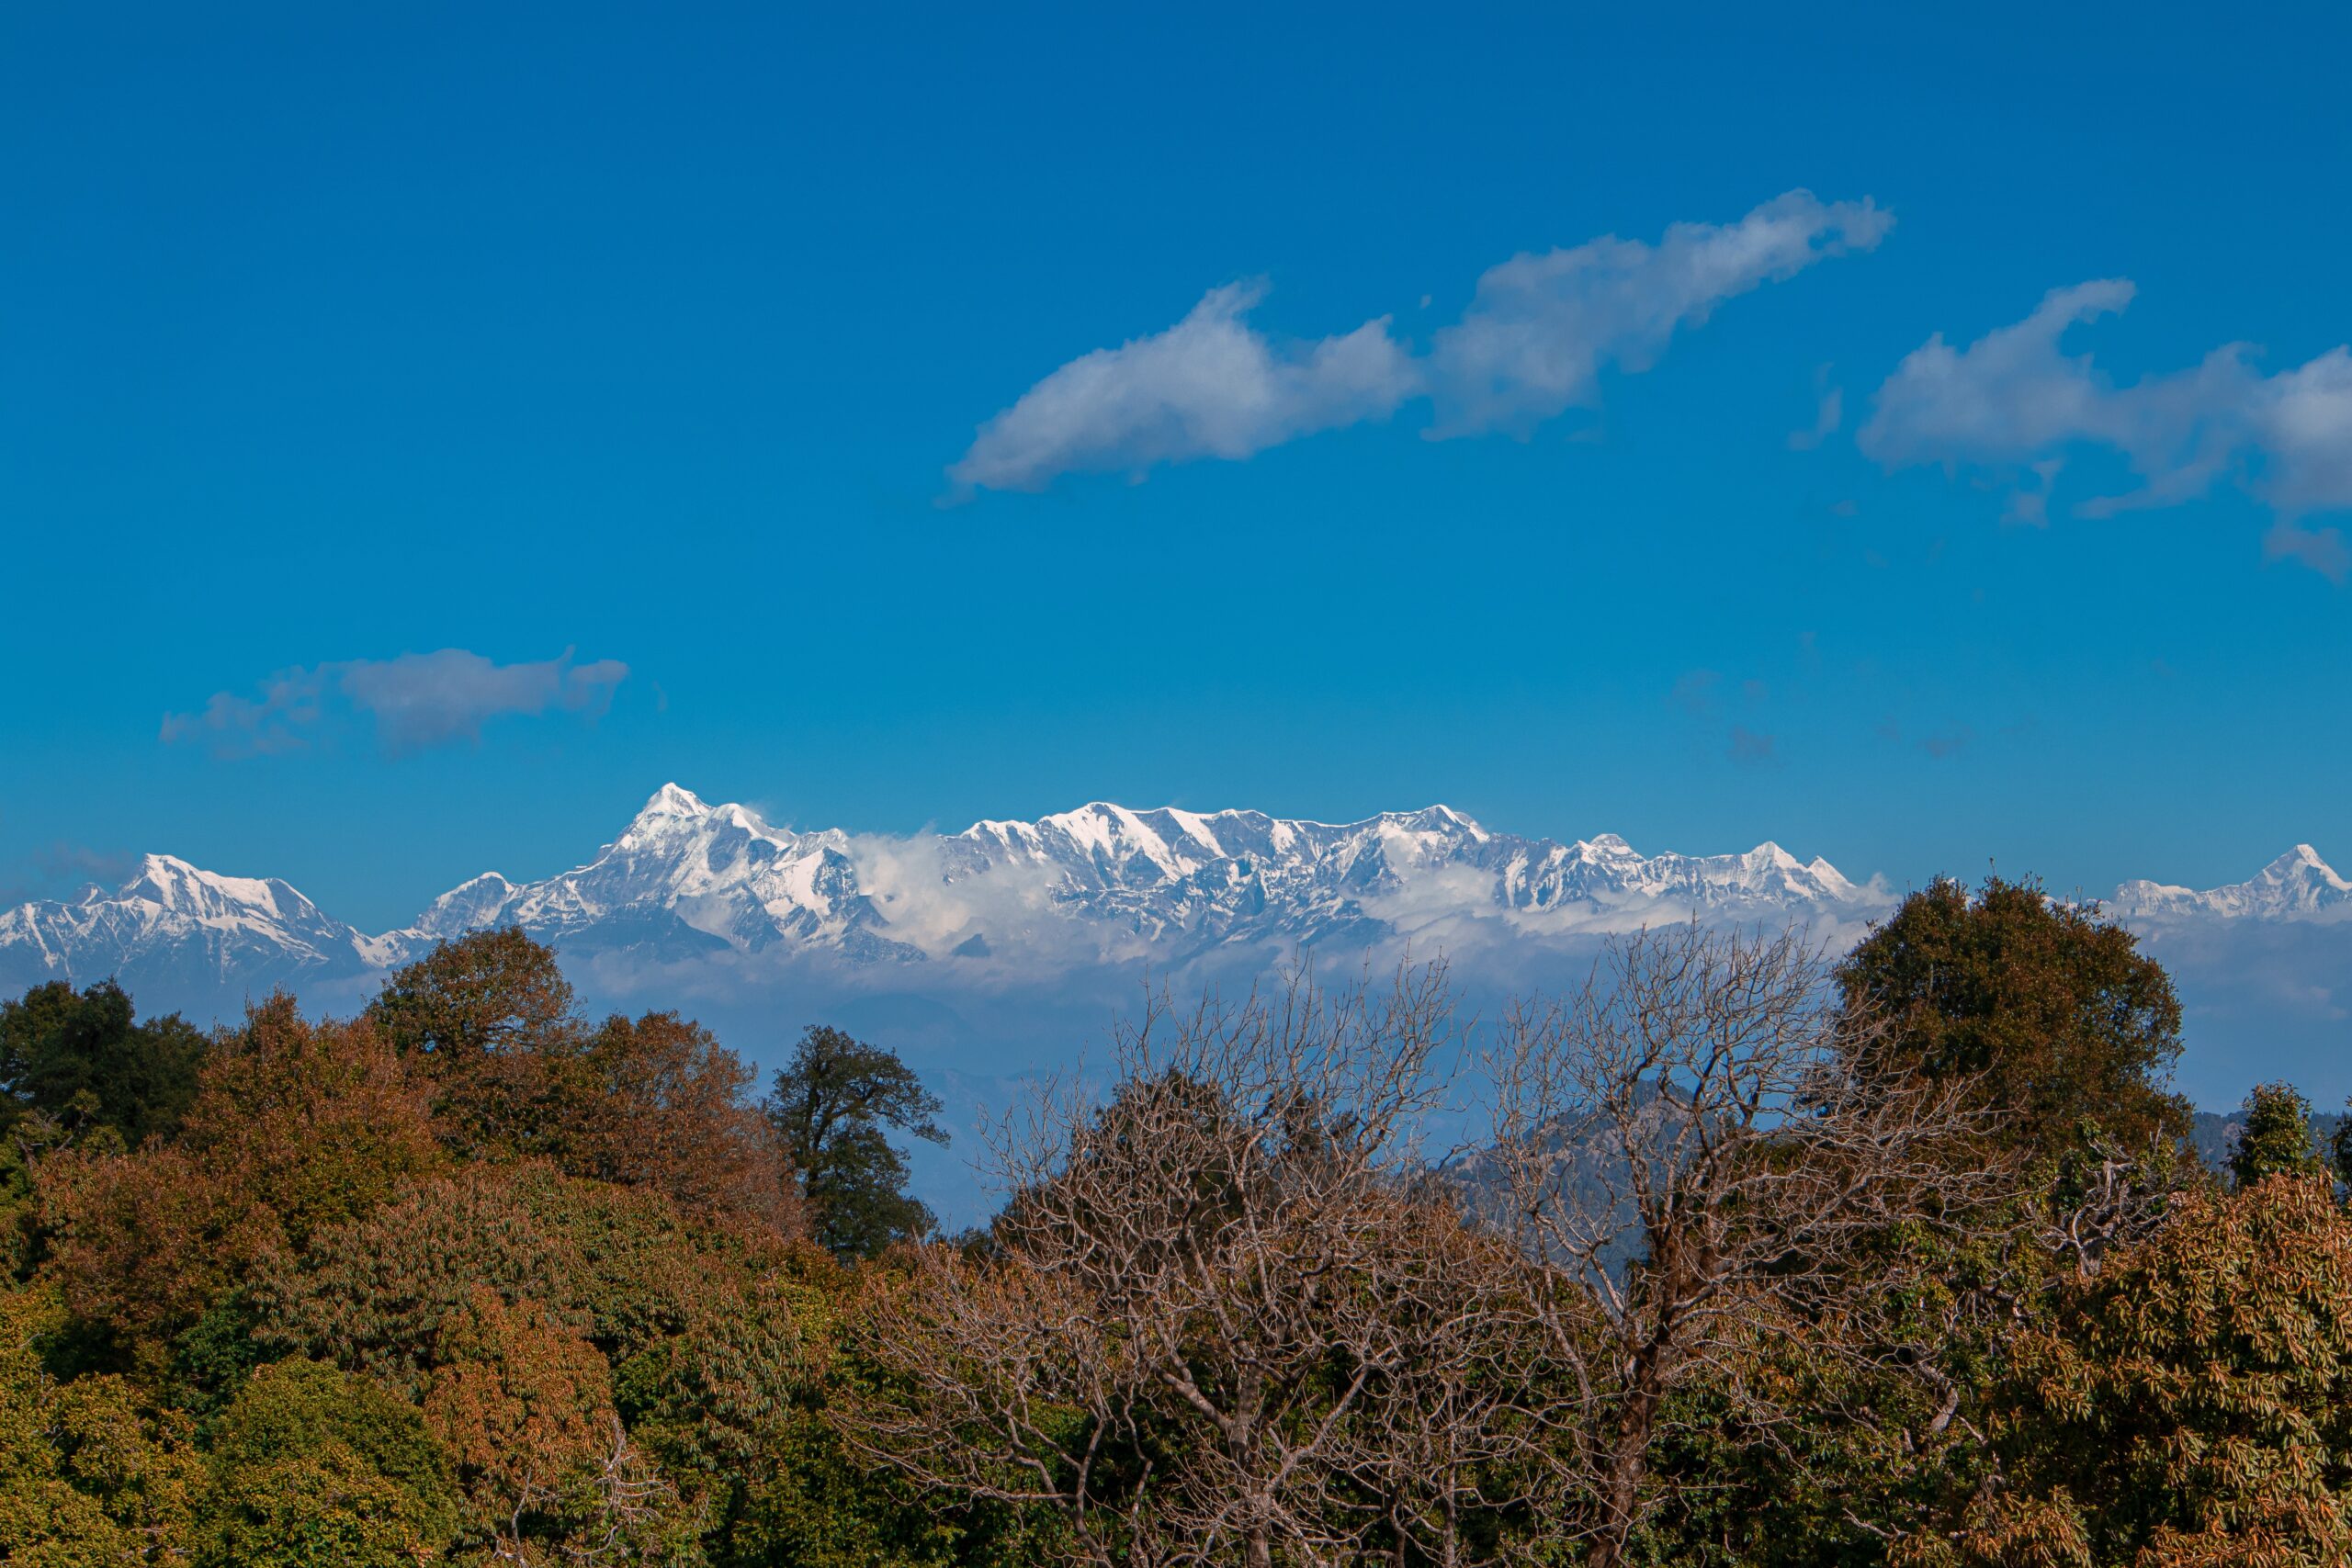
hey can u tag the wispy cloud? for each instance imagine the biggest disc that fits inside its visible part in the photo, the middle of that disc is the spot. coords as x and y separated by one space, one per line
79 864
1530 345
2012 402
1539 329
414 702
1751 745
1211 386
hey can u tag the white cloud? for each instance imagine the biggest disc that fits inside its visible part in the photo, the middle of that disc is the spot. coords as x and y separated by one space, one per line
1530 346
2012 402
928 900
2304 420
1211 386
416 701
1540 327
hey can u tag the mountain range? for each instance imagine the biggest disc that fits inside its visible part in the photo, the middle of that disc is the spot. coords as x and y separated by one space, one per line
2297 885
688 881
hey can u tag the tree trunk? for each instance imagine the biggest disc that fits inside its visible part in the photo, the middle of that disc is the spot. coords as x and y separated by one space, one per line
1629 1456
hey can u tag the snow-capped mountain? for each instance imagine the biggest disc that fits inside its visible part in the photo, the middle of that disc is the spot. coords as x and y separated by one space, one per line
684 878
2297 885
687 880
1101 881
185 930
1203 880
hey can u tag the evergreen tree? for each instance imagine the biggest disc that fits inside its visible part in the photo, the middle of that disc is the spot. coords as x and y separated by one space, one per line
81 1057
2276 1137
834 1103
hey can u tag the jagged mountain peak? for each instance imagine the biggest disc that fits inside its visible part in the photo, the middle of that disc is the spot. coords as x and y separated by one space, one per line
688 879
2302 859
469 905
2297 885
170 883
672 800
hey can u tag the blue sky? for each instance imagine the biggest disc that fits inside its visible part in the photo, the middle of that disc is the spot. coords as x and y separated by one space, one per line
630 352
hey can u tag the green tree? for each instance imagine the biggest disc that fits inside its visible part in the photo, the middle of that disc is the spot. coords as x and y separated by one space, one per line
90 1476
2188 1404
297 1127
834 1103
81 1057
2054 1010
2339 1149
2274 1139
312 1466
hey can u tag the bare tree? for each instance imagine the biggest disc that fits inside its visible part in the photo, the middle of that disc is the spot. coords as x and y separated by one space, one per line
2109 1196
1699 1158
1224 1317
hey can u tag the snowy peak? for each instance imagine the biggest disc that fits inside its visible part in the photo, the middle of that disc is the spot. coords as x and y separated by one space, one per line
684 877
194 932
687 879
173 884
2297 885
469 905
1199 880
2302 863
671 800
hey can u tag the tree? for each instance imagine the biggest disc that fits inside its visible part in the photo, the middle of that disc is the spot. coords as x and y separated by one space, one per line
666 1110
525 1404
90 1475
2276 1137
82 1058
1223 1320
477 994
702 1320
371 1294
1717 1177
310 1465
317 1122
2051 1011
517 1074
834 1103
2189 1407
141 1244
297 1127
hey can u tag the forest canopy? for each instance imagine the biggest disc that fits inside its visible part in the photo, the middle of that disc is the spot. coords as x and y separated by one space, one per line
1764 1258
